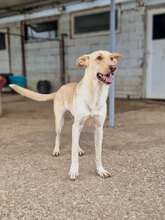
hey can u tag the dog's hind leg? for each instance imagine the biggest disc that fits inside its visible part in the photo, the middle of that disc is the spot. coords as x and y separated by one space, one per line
59 121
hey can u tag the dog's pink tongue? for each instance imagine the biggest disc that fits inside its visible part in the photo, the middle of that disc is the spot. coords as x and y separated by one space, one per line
108 79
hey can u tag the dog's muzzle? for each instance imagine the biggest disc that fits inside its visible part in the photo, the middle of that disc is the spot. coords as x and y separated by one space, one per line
107 79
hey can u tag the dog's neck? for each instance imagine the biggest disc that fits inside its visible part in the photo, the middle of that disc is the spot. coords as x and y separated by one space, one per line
94 92
91 82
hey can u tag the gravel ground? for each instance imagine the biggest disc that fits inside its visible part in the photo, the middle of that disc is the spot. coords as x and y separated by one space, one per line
35 185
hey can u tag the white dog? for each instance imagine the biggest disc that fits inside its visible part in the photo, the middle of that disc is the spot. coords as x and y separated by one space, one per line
84 99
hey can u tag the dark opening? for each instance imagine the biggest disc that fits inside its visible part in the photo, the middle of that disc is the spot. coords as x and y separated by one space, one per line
41 31
92 23
158 27
2 41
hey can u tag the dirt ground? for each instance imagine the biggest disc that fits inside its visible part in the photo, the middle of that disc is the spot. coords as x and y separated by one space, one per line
35 185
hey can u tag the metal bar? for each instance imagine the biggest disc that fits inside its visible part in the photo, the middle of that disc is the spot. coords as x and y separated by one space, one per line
62 59
112 49
11 34
37 38
9 50
23 57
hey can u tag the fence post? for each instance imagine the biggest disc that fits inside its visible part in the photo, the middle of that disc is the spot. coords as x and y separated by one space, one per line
112 49
62 59
23 56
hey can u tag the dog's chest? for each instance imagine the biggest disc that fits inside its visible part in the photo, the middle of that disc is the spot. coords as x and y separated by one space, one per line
95 99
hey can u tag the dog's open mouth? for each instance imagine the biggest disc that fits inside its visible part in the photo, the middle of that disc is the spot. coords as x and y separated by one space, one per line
107 79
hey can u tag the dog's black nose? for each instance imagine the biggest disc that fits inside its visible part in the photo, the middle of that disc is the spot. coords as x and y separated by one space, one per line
112 68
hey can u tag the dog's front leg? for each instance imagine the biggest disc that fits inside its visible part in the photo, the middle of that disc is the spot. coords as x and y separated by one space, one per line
74 168
98 147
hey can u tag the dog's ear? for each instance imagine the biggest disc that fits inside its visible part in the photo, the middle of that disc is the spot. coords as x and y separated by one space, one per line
81 61
116 55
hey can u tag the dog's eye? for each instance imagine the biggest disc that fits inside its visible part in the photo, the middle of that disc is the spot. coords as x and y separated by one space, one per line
111 58
99 58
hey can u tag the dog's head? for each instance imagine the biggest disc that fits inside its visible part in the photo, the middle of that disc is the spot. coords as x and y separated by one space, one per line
102 64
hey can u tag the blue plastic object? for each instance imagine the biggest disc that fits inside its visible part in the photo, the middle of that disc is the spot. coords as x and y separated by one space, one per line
18 80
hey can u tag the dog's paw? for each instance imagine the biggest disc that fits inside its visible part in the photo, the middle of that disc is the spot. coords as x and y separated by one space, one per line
74 172
103 173
73 175
80 152
56 153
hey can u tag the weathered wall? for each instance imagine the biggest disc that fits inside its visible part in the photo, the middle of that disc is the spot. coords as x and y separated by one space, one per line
129 42
42 58
15 47
43 63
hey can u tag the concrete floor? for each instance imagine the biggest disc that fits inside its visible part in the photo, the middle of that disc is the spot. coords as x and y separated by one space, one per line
35 185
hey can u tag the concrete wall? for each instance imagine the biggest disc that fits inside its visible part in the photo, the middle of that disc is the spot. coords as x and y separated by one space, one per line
129 41
43 63
15 47
42 59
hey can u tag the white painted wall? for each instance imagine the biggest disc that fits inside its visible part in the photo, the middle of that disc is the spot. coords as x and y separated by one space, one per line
15 48
129 42
42 58
43 63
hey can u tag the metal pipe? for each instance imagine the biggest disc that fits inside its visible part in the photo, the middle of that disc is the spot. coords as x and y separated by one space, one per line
62 59
23 57
9 50
37 38
112 49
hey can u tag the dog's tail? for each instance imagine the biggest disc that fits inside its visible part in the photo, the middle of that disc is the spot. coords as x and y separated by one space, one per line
32 95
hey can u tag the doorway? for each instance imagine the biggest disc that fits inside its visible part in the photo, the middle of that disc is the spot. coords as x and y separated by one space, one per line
155 70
